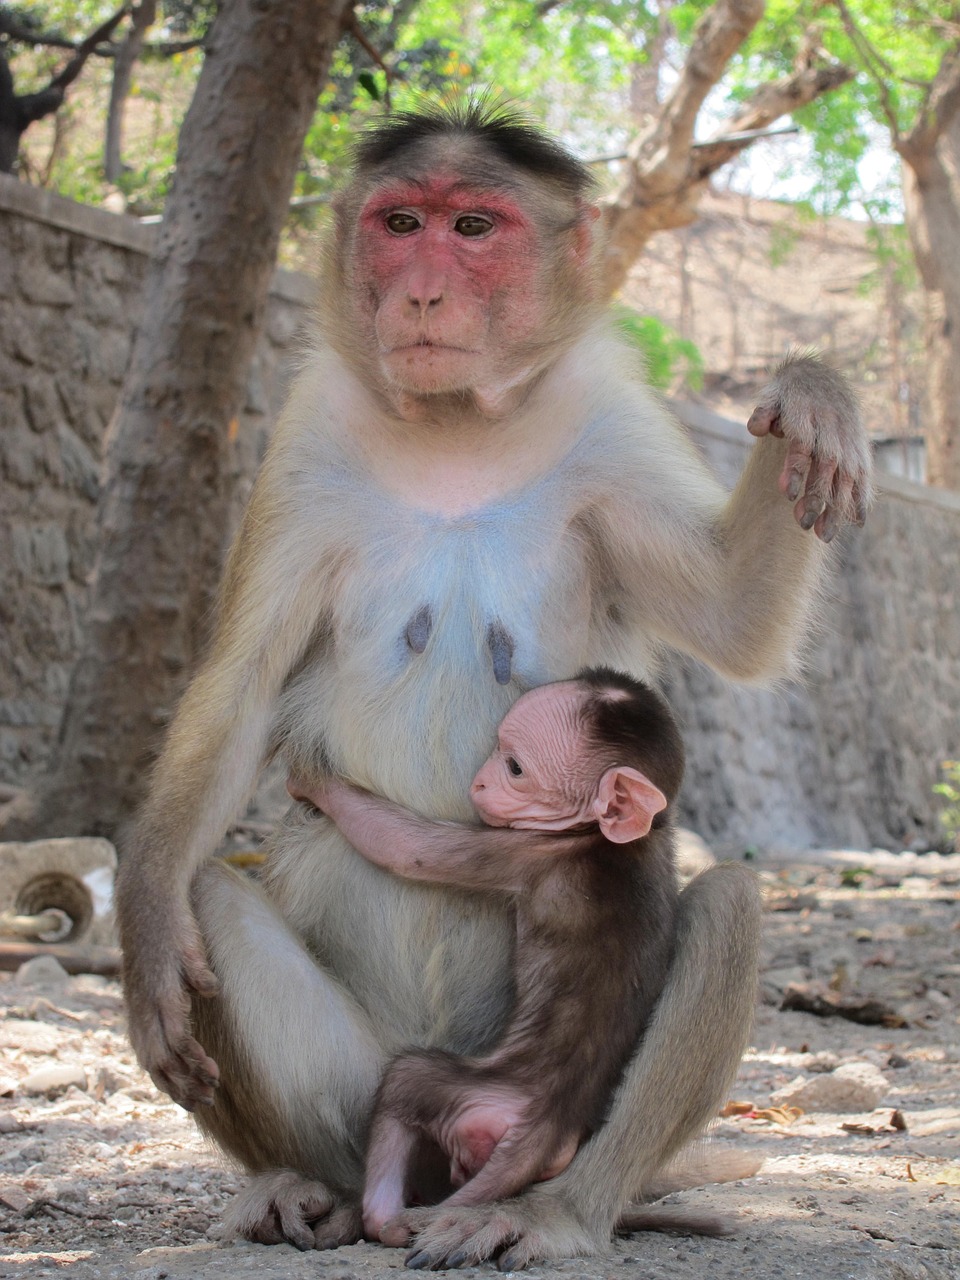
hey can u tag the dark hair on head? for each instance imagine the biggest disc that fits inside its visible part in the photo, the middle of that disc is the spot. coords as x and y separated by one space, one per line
502 128
632 724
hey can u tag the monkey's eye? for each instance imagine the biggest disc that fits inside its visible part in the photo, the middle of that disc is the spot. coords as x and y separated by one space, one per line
401 224
471 224
514 767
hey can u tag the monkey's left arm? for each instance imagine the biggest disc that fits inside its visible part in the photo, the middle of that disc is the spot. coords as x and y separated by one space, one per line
733 580
485 858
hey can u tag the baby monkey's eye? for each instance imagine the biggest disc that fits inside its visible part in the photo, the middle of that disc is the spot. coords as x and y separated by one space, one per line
514 767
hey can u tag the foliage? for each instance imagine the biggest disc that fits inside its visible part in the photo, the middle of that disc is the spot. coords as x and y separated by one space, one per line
668 358
846 126
949 789
66 152
854 877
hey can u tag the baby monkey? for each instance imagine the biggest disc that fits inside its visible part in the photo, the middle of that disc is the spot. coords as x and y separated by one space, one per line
575 798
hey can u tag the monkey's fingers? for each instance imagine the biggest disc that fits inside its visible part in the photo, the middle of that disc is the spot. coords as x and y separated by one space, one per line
197 973
187 1073
343 1226
278 1208
516 1232
796 465
765 420
839 509
819 491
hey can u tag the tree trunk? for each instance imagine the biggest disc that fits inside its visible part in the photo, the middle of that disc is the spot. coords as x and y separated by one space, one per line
667 171
163 512
932 208
141 19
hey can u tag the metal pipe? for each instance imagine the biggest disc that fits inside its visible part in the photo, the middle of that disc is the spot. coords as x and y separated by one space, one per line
50 924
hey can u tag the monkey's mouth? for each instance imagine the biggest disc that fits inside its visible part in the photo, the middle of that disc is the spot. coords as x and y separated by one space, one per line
428 344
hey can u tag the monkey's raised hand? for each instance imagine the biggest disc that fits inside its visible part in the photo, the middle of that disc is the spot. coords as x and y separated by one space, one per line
827 467
164 964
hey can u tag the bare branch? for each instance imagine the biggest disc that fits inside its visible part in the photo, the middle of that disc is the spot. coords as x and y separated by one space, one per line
719 34
84 49
767 105
668 170
26 35
104 49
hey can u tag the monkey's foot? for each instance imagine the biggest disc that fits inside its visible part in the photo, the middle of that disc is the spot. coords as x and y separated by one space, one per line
286 1208
532 1228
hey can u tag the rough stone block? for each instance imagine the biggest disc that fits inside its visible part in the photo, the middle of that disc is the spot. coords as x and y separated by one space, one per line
42 403
854 1087
81 469
42 971
41 284
54 1079
41 554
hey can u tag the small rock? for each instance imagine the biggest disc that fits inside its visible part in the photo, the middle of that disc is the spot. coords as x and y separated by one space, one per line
822 1062
42 971
54 1080
856 1086
14 1199
782 978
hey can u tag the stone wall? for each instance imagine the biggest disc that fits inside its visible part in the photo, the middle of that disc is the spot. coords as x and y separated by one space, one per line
847 759
70 279
850 756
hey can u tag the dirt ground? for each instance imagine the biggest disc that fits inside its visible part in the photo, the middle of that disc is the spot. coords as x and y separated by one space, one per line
104 1178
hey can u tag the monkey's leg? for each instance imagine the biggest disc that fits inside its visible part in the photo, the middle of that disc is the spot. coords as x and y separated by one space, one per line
392 1145
299 1066
672 1088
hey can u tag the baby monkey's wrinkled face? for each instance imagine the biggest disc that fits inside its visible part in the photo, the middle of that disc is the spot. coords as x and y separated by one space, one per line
540 775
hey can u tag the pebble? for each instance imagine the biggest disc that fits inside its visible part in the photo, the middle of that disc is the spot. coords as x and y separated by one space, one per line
42 971
854 1087
54 1079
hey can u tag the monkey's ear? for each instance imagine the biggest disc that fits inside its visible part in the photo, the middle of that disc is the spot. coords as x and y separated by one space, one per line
583 242
627 803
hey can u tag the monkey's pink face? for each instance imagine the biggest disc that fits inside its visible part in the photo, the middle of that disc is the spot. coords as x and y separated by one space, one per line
447 279
538 777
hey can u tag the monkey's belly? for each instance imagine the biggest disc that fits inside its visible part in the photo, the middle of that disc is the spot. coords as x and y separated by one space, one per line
429 965
440 626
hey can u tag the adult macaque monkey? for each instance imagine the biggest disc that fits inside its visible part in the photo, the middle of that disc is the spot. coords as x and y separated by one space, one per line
470 493
574 795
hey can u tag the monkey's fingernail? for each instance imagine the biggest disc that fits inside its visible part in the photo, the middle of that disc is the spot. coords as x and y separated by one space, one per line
457 1259
419 1261
808 519
793 488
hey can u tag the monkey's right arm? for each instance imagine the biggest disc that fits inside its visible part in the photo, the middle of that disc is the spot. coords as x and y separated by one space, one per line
491 859
272 597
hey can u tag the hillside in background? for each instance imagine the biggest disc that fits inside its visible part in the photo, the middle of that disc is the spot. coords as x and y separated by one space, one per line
753 277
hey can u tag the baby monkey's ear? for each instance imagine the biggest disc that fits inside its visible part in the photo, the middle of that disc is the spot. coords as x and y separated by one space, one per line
627 803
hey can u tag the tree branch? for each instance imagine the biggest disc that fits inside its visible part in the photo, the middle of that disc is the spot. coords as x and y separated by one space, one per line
84 49
876 66
767 105
938 111
142 19
718 36
668 171
104 49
